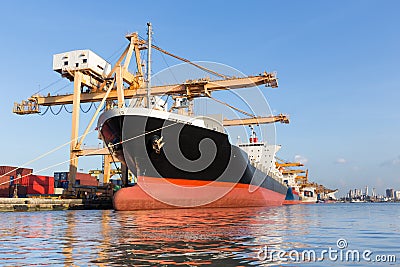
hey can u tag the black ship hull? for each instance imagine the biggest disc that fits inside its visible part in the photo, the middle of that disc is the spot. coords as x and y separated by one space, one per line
181 164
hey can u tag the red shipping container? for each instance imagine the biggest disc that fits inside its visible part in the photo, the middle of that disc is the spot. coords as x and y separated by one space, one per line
5 182
35 189
14 171
4 186
4 192
38 184
86 179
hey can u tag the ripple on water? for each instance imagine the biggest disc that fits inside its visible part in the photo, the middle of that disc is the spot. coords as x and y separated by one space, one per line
190 237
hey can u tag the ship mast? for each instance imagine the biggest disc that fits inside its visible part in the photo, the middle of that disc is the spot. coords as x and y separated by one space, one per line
148 91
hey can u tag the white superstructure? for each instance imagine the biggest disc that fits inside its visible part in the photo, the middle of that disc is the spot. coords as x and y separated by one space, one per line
262 156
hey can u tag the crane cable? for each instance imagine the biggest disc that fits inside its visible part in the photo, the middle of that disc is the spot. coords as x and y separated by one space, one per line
143 41
69 160
90 107
41 156
189 62
56 113
96 107
44 88
232 107
64 106
43 113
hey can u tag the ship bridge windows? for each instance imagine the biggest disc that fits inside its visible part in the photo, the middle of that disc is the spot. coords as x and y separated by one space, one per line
246 145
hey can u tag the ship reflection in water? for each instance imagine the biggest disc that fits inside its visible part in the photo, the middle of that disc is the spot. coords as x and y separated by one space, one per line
190 237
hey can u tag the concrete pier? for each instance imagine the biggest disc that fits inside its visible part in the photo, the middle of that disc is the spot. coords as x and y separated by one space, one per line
37 204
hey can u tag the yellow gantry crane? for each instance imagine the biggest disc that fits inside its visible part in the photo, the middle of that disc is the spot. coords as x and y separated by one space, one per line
287 169
302 178
283 163
120 84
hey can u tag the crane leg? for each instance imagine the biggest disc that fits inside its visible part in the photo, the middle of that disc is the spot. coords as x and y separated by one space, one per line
73 164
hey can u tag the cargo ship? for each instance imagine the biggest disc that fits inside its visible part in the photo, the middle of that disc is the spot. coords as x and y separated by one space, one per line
292 197
292 194
184 161
308 194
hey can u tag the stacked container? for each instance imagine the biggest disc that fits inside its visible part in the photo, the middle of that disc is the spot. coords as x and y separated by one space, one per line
85 179
38 184
9 176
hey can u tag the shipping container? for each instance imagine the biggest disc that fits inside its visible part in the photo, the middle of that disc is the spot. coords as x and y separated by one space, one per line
37 184
81 179
63 184
14 171
86 179
35 189
5 182
60 176
4 192
64 176
21 190
4 186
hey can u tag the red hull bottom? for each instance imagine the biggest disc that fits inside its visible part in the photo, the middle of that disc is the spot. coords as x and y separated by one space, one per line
291 202
156 193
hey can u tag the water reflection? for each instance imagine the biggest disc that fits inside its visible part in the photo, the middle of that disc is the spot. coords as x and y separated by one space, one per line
195 237
187 237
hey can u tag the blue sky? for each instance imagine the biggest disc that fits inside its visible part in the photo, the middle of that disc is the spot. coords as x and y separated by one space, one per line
337 63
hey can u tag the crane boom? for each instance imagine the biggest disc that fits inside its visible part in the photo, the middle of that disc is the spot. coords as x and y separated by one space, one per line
284 163
292 171
290 164
303 178
190 88
256 120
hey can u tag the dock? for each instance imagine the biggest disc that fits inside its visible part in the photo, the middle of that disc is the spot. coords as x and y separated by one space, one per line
44 204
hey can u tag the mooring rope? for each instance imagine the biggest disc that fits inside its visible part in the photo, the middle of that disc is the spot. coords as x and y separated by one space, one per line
94 152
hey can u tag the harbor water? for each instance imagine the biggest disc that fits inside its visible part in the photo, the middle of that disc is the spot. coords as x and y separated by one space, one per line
198 237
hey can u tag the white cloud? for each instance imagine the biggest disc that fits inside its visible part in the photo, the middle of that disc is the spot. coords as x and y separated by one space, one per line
341 161
301 159
355 168
392 162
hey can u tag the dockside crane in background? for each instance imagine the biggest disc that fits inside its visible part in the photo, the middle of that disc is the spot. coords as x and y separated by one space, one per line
105 85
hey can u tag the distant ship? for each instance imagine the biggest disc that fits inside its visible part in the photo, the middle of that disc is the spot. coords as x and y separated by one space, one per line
292 197
164 152
308 194
293 188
